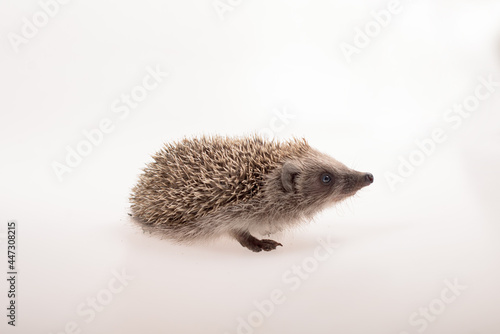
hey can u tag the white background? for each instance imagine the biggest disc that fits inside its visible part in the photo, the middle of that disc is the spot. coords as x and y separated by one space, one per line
395 247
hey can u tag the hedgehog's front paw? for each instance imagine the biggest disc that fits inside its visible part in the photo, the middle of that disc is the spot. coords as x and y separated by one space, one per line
257 245
268 244
249 241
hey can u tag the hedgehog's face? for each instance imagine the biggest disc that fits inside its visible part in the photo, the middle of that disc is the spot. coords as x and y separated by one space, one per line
324 181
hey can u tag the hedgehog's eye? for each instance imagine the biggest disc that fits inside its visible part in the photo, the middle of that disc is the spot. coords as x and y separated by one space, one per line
326 178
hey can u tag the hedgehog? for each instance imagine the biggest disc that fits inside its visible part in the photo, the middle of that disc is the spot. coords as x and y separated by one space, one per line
209 186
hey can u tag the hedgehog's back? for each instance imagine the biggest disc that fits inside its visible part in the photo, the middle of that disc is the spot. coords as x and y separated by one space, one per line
195 177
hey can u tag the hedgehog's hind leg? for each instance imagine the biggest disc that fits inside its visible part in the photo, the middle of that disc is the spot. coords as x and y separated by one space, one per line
249 241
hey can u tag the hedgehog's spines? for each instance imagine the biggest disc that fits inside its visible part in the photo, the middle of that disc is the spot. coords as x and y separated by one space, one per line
191 178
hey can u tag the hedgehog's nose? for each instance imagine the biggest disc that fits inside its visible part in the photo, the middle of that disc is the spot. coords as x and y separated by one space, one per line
368 178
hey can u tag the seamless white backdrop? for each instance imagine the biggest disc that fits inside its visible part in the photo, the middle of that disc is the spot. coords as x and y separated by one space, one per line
235 68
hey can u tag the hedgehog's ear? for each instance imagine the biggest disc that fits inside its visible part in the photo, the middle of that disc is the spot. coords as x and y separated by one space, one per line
288 173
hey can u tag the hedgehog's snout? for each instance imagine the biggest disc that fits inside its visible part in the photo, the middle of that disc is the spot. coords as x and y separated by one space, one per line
357 181
368 179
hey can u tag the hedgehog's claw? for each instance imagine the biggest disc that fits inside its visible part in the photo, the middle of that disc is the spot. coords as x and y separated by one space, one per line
249 241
